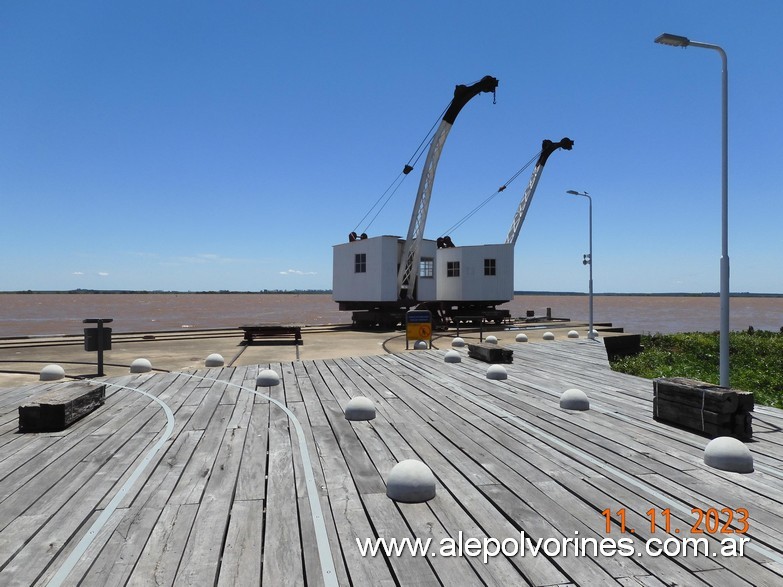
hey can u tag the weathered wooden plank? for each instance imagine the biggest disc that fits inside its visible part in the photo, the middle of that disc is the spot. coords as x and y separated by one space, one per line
207 408
389 524
312 557
157 484
251 483
282 563
364 473
241 564
194 478
201 558
112 555
349 516
161 556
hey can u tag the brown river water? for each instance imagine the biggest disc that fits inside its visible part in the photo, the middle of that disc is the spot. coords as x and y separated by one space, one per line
48 314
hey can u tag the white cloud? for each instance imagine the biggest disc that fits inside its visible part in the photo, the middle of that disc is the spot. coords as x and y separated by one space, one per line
78 273
102 273
297 272
200 259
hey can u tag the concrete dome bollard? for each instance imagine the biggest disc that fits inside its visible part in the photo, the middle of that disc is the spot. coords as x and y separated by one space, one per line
491 339
522 337
410 481
573 334
458 342
359 409
52 373
728 454
497 372
267 378
214 360
420 345
452 356
594 333
141 366
549 336
574 399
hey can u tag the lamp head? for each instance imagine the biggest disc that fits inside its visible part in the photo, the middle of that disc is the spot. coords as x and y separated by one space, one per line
672 40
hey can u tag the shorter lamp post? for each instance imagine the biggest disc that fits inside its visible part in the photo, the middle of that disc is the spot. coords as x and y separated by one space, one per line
588 259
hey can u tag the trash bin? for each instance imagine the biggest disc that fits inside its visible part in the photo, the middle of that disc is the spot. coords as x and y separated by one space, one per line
94 342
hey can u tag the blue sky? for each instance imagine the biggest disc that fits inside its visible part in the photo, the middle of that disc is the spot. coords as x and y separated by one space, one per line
228 145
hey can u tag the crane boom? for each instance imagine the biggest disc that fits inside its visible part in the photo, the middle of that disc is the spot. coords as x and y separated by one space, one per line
411 252
547 148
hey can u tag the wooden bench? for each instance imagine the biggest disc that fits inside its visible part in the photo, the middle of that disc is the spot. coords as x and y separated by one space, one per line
273 335
61 407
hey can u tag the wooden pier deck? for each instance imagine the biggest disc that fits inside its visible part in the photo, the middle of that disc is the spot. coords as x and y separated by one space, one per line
225 499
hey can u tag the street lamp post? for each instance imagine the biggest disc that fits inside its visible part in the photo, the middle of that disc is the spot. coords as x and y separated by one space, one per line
678 41
589 259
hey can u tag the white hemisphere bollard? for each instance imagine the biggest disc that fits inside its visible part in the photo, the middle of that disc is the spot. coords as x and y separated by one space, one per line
141 366
267 378
458 342
52 373
360 408
491 339
574 399
521 337
452 356
410 481
549 336
214 360
497 372
728 454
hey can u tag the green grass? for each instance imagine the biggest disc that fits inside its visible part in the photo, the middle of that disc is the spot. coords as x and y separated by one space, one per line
755 361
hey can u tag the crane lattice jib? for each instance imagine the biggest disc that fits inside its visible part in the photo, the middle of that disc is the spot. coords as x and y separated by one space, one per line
411 253
547 148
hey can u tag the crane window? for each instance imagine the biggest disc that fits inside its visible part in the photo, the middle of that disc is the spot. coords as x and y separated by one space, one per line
360 263
426 267
489 267
452 269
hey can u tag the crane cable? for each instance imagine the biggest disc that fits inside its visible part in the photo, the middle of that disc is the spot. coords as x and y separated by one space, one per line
414 159
489 198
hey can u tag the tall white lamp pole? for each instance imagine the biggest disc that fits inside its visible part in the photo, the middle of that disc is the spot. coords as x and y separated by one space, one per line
588 260
678 41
